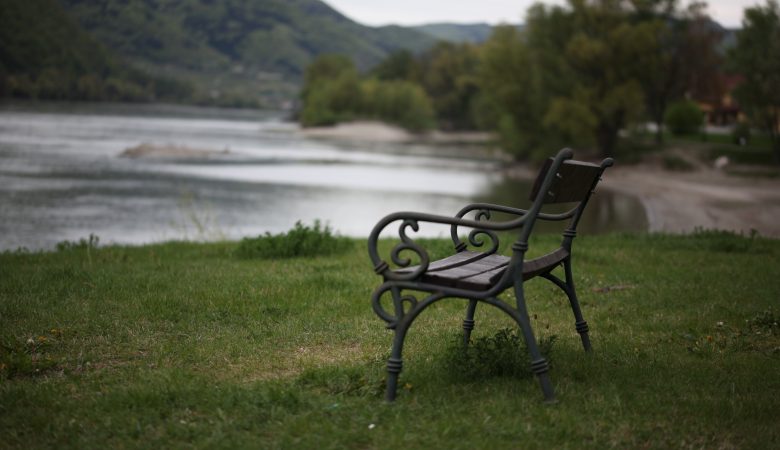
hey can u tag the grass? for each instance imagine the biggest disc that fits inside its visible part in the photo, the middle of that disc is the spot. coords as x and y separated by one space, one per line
185 345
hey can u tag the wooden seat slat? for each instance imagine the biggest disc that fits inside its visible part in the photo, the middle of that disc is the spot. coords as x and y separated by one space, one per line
485 272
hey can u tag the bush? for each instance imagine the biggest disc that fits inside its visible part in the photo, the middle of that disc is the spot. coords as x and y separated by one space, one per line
399 102
741 133
301 240
683 118
503 354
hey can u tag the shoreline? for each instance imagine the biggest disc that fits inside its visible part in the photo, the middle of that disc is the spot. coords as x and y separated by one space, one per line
681 202
674 202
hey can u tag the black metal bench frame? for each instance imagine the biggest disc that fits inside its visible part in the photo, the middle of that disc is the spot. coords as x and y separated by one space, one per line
480 276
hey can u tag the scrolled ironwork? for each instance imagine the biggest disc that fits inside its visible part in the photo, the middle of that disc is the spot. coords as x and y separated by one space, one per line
477 239
407 244
379 309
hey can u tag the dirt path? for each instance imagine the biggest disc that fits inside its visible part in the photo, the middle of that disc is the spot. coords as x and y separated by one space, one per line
680 202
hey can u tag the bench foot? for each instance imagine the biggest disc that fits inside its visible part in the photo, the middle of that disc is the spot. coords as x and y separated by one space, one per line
394 367
582 329
468 322
540 367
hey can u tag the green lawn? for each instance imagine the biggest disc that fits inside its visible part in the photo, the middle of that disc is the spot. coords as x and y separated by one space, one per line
185 345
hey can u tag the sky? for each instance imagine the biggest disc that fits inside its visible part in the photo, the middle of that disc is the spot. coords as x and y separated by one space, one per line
415 12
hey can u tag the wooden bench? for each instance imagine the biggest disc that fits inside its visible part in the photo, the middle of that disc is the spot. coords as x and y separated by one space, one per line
477 273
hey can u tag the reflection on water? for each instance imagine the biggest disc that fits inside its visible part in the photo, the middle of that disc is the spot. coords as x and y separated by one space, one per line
62 178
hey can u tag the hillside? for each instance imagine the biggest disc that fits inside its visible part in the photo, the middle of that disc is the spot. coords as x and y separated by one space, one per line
45 54
247 46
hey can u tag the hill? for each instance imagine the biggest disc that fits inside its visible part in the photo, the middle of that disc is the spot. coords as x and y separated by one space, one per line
475 33
45 54
232 48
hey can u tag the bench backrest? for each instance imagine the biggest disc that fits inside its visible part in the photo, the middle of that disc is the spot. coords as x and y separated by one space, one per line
573 181
562 180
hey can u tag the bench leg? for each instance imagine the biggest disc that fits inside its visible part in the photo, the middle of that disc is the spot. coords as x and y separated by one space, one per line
539 365
395 363
580 324
468 322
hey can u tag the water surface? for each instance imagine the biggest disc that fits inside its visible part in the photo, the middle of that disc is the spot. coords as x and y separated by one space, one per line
63 177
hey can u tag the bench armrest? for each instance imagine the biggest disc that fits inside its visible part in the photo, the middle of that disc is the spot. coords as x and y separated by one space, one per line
477 237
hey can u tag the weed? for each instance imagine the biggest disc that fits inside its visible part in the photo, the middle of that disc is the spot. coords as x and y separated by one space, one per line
30 357
353 381
502 354
301 240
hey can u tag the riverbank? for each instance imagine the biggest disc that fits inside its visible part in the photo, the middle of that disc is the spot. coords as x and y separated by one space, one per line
674 201
379 132
680 202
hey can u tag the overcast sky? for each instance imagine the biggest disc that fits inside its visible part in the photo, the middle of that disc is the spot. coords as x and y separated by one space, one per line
416 12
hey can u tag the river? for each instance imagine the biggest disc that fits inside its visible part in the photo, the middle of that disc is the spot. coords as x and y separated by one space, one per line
63 177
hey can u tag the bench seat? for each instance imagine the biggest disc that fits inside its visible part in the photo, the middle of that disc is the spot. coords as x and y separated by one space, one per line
475 270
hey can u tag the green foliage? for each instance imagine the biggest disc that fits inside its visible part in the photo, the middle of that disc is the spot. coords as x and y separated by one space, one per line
579 74
44 54
400 102
757 58
236 49
400 65
502 354
335 93
301 240
29 358
448 73
511 97
740 135
332 91
684 117
345 381
767 320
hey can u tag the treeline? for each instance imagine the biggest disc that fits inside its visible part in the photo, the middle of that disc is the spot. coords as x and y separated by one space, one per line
433 89
574 75
46 55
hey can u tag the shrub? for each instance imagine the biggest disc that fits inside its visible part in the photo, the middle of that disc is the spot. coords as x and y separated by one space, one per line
503 354
683 118
741 133
400 102
301 240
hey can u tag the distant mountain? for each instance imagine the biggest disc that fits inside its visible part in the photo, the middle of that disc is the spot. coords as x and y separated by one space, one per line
236 49
256 38
475 33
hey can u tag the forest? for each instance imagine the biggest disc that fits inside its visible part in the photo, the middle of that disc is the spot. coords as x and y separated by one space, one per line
584 73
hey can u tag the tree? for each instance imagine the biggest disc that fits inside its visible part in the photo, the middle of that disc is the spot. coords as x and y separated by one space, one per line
331 92
447 72
400 65
757 57
507 100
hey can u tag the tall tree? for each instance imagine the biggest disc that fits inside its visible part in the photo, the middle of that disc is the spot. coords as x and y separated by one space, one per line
681 56
447 72
757 57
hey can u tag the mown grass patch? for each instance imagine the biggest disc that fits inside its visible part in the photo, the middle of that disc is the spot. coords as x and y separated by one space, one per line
185 345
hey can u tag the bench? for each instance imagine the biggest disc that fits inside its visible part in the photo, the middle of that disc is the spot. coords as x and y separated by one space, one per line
476 271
